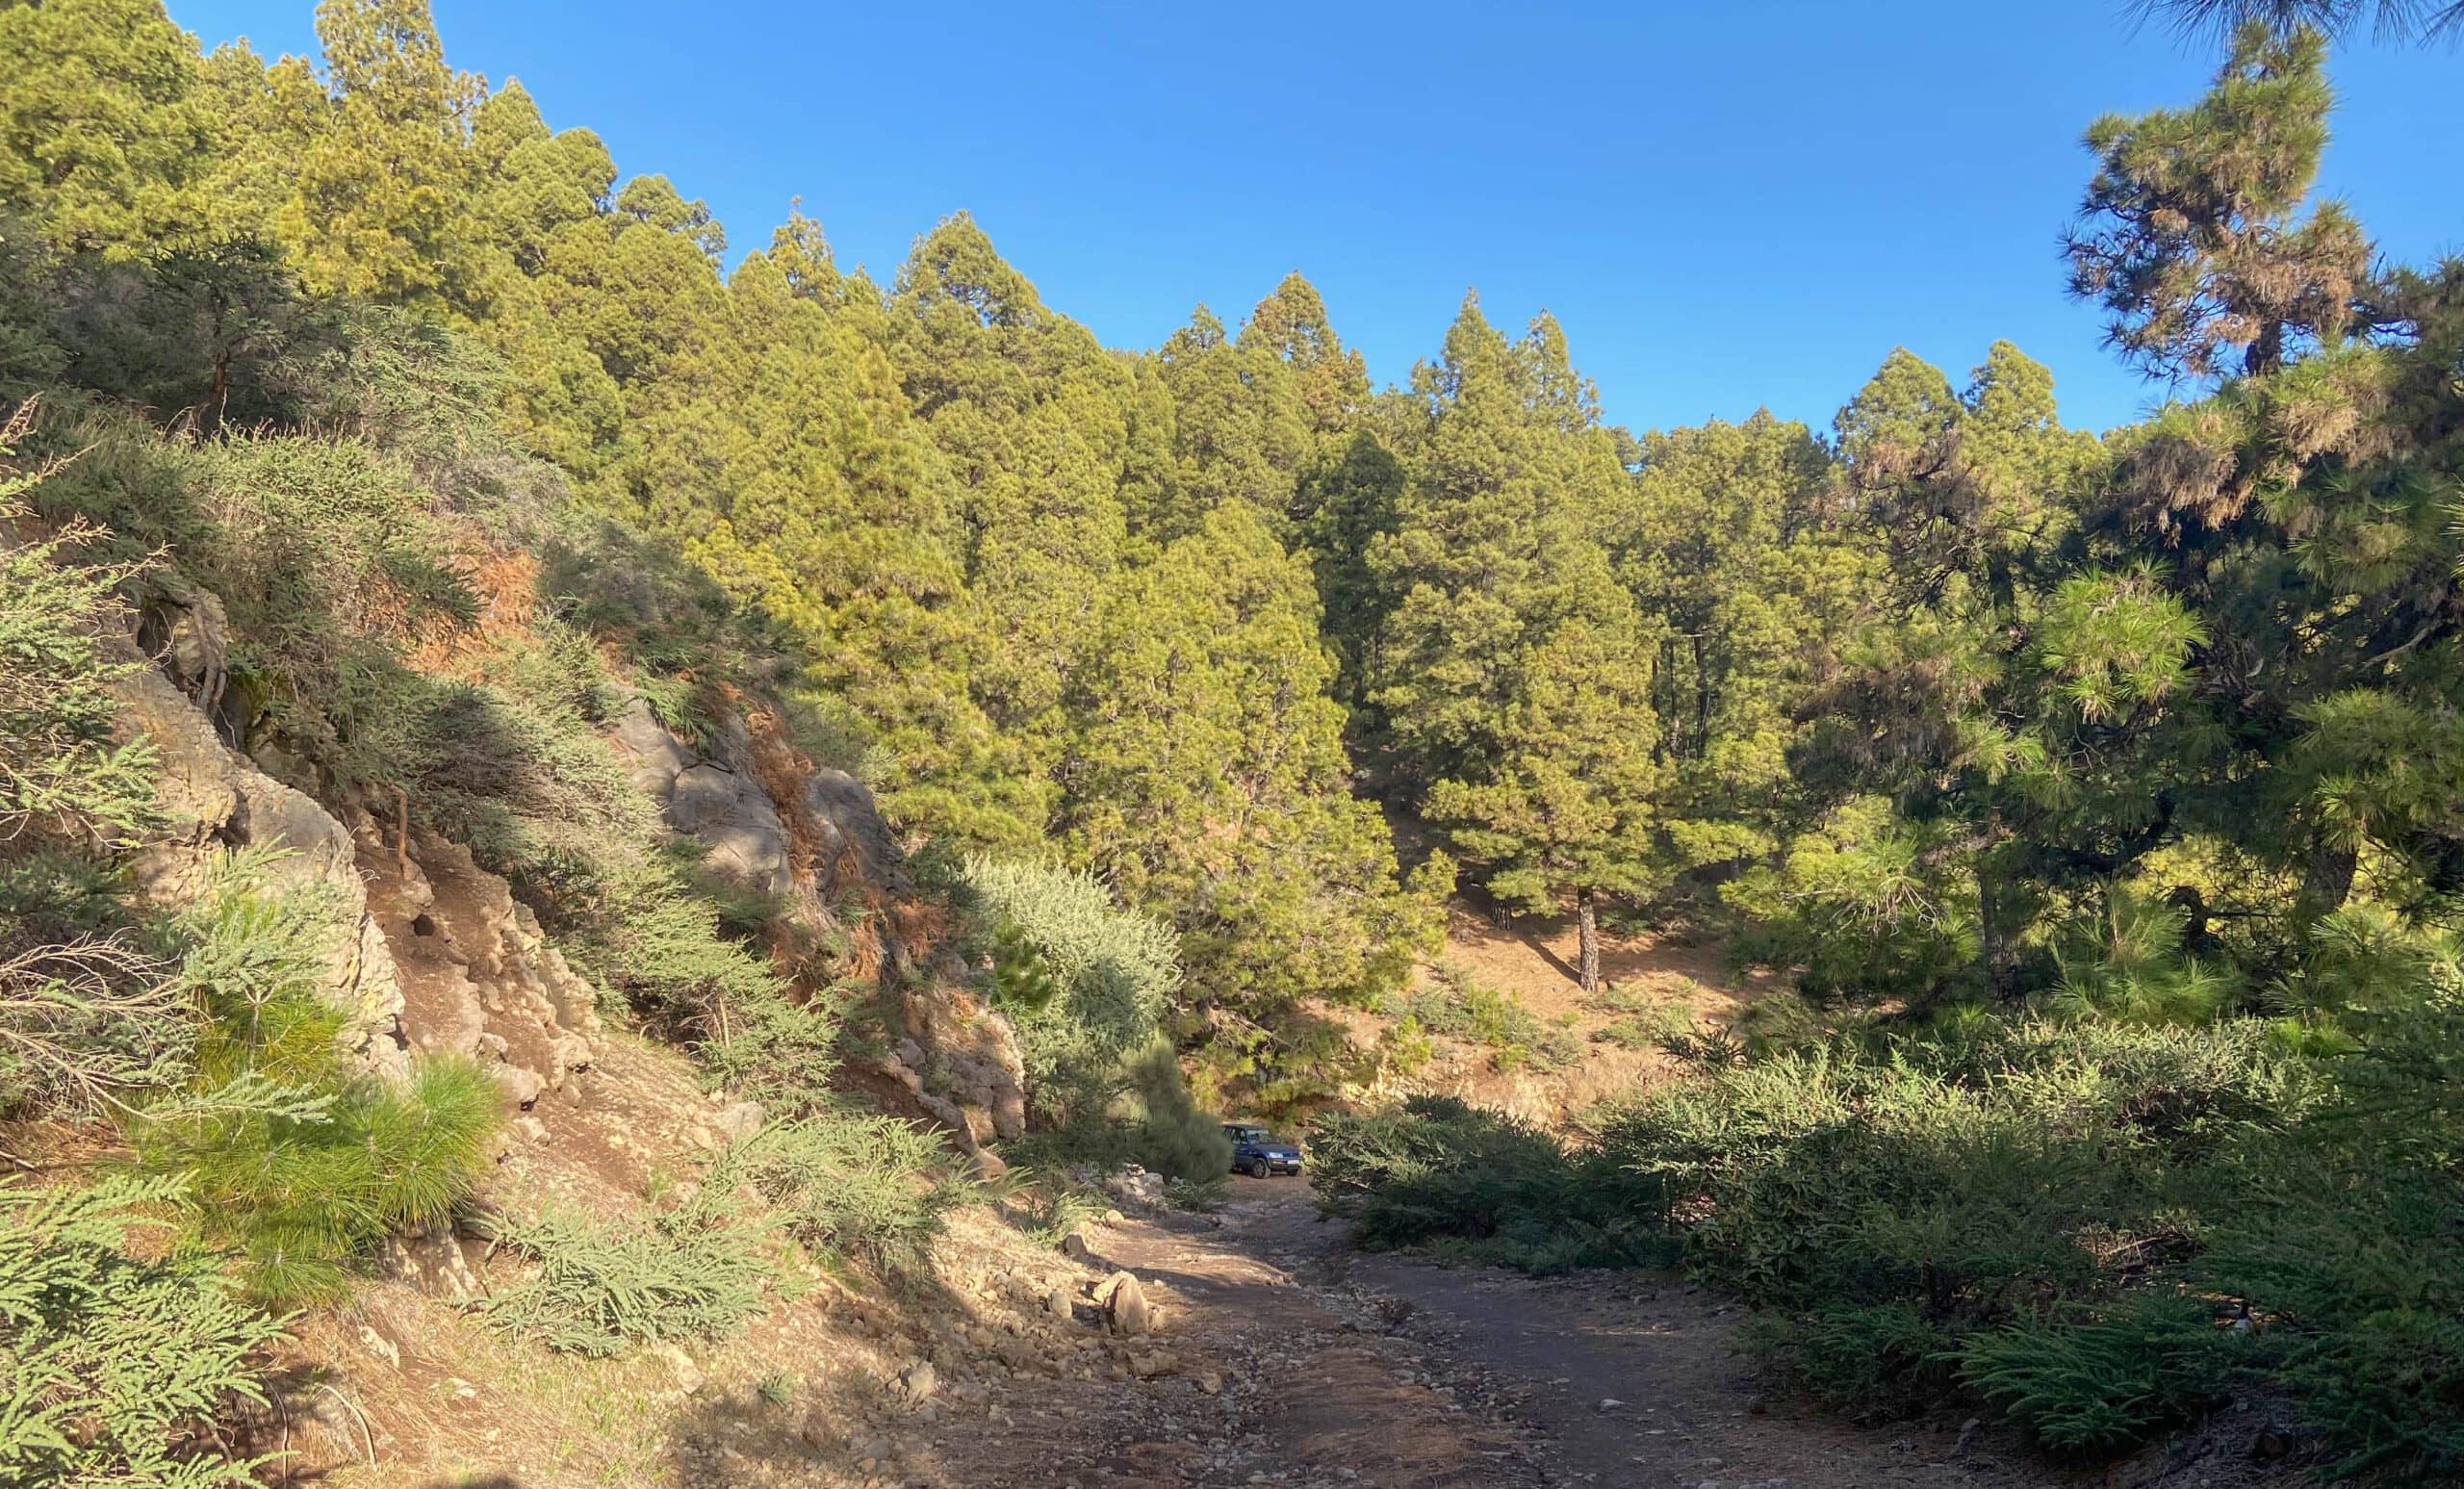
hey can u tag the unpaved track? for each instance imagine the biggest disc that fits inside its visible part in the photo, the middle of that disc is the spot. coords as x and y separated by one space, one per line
1341 1369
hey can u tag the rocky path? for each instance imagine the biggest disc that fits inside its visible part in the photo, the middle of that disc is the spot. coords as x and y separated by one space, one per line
1285 1357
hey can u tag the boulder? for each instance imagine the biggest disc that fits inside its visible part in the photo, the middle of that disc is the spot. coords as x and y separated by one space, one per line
711 796
919 1383
739 1120
1126 1313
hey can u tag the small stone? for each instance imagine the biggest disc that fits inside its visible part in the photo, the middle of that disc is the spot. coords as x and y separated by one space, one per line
522 1086
1210 1382
380 1345
1610 1403
681 1368
739 1120
918 1381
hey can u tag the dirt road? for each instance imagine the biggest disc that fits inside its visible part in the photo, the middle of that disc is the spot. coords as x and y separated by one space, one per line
1288 1358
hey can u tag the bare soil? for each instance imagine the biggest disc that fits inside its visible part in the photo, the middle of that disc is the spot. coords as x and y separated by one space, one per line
1336 1367
1533 959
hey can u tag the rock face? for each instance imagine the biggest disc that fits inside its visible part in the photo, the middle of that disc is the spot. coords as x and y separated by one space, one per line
812 837
215 797
714 798
436 955
478 977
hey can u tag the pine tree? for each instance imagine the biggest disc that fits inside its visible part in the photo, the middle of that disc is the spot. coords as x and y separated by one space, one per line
104 140
2190 234
1206 778
1035 422
1240 429
376 193
1724 540
1510 677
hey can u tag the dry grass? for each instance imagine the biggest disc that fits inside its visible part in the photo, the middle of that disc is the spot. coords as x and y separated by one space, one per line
1534 960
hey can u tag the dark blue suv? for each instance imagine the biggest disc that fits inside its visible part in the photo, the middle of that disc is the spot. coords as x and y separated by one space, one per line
1258 1152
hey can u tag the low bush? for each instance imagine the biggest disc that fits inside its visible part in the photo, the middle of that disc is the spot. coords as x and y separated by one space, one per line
113 1367
870 1188
598 1288
2101 1377
288 1155
1439 1172
1459 1005
63 776
2097 1228
1102 980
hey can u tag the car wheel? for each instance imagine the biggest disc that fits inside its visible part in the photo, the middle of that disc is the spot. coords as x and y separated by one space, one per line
1258 1168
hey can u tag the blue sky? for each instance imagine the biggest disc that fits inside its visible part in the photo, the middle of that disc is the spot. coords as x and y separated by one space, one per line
1727 205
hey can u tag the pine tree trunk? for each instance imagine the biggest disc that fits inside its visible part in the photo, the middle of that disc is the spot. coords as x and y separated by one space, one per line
1587 928
2326 883
1997 952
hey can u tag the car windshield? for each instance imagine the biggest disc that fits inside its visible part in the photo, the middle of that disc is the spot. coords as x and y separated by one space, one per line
1245 1133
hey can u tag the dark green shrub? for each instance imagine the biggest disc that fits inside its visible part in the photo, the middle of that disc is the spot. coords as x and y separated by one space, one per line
1869 1360
2099 1378
1436 1171
1171 1136
113 1368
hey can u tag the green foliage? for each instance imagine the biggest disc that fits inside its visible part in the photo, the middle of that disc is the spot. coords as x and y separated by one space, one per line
63 774
115 1367
1115 972
2103 1379
1480 1185
1169 1132
286 1154
599 1287
870 1188
2096 1227
1020 979
1510 675
2043 762
1458 1006
1235 821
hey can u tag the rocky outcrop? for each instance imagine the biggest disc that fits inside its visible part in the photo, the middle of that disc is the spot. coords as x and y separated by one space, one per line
813 838
212 796
435 954
478 976
711 796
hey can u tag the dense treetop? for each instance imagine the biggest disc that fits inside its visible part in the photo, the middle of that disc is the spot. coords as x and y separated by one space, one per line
1949 672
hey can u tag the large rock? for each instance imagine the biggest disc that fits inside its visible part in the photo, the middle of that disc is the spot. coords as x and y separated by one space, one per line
212 796
851 823
969 1053
811 836
714 798
478 976
1126 1313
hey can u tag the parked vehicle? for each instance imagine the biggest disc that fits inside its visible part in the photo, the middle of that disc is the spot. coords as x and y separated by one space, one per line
1258 1152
